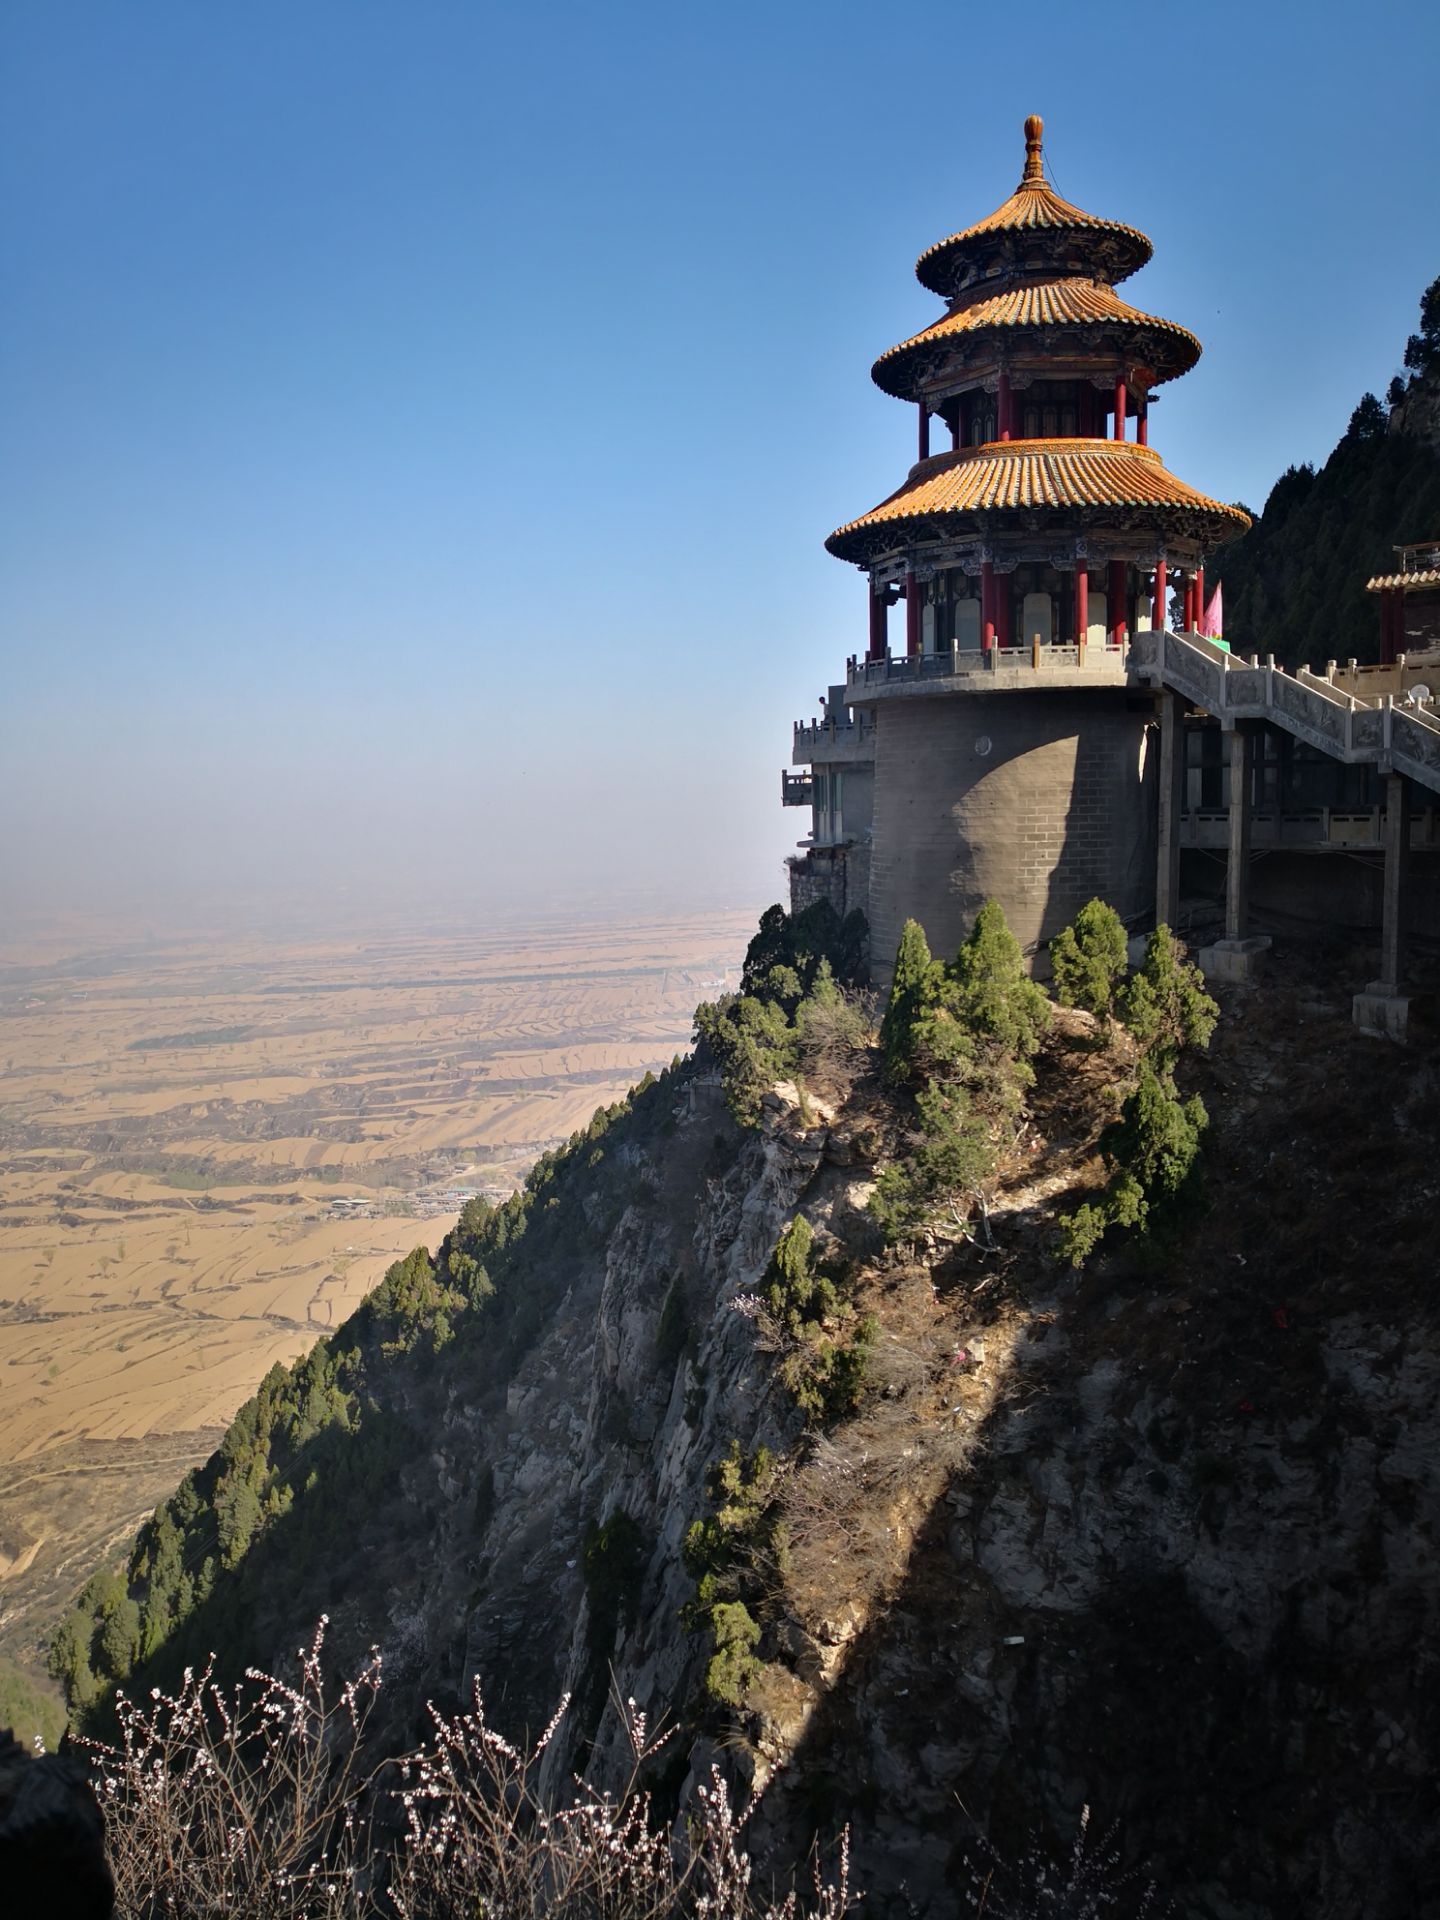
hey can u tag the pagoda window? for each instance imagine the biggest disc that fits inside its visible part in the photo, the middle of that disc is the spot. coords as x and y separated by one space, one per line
1052 422
1032 423
967 623
1069 423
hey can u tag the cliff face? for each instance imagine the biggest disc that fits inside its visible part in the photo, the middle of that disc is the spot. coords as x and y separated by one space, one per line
1159 1537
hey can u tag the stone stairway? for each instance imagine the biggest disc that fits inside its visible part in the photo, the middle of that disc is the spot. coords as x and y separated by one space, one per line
1397 739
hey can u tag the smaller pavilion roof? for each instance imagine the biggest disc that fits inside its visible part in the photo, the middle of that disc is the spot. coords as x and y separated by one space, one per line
1042 305
1034 209
1037 475
1422 577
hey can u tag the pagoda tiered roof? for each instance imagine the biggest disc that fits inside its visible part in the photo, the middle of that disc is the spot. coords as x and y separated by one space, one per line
1086 480
1070 311
1034 322
1035 224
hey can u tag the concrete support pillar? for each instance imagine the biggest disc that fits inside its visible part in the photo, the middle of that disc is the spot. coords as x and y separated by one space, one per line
1238 955
1237 870
912 612
1115 602
879 625
1172 806
1384 1006
1397 873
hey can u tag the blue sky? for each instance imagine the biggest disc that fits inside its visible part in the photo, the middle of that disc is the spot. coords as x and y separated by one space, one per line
419 423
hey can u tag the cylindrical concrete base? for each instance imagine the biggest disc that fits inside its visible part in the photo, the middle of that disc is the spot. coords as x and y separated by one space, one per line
1042 800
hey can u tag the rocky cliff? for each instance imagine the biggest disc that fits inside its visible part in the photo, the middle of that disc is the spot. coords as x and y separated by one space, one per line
1157 1536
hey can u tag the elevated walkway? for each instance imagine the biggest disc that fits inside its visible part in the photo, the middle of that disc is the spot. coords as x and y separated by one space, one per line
1397 739
1402 742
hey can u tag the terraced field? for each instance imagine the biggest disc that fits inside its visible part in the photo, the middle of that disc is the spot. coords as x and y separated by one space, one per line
210 1148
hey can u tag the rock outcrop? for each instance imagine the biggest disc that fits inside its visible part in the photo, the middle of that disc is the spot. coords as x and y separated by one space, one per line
1159 1537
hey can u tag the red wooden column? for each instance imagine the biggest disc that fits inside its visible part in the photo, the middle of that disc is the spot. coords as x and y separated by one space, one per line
987 605
1142 424
1199 596
1115 602
1082 602
1004 423
923 443
1119 406
878 623
1158 608
912 613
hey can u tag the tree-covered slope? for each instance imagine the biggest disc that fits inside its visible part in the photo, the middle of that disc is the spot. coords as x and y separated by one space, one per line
307 1494
1295 583
325 1481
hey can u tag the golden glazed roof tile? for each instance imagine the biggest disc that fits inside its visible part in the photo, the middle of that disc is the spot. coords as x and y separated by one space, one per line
1048 304
1038 475
1034 208
1427 577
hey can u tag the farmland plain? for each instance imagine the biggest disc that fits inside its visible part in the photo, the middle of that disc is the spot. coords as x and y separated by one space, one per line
212 1146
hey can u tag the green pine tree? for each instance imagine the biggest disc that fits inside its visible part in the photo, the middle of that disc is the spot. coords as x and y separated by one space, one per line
912 989
1165 1004
1089 960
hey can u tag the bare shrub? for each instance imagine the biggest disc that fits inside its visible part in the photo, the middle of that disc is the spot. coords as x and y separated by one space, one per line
1089 1885
250 1799
256 1800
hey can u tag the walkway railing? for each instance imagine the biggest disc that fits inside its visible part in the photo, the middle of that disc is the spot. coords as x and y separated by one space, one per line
1035 656
1348 827
1404 738
851 738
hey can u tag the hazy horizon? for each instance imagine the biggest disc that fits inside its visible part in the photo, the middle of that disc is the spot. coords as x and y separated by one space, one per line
421 425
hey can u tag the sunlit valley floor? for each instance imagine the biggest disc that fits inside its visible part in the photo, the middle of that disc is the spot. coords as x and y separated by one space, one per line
211 1148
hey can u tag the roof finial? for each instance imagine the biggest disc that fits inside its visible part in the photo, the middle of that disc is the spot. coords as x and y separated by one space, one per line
1034 165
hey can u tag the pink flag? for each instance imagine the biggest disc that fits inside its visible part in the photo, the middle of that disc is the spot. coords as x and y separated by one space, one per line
1212 621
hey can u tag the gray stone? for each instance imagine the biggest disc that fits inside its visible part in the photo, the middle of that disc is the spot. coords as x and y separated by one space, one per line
1234 961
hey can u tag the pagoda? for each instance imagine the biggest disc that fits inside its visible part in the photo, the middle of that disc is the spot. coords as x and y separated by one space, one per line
1410 604
1000 748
